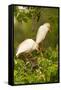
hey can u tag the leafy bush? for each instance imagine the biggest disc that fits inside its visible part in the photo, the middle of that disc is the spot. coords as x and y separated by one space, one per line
47 70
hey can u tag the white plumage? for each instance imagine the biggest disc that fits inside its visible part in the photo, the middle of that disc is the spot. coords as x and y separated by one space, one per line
42 31
27 46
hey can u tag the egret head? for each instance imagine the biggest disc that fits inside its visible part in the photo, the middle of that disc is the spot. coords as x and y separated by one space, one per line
48 26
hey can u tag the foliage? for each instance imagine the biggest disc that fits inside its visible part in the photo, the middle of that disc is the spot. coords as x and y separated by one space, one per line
27 23
47 70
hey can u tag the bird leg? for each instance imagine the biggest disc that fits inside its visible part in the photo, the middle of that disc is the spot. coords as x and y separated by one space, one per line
30 54
33 62
27 57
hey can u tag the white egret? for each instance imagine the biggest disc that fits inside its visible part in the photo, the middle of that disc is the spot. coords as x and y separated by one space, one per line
26 46
42 31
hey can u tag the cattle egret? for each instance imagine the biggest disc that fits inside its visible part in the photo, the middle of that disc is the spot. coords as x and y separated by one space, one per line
27 46
43 29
